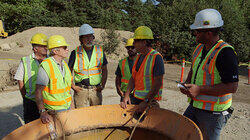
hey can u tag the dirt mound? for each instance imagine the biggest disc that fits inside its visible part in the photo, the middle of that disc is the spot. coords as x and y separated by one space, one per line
22 39
19 46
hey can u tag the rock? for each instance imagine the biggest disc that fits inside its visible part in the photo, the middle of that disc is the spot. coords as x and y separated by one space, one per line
5 47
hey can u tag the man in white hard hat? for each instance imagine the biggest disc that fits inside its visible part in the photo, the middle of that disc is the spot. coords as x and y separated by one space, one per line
89 64
213 77
26 76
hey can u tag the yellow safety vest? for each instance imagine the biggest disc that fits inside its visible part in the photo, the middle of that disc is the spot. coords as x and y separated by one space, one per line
85 69
31 67
207 74
56 95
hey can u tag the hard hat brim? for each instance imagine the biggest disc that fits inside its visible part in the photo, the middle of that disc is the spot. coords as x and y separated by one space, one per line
193 27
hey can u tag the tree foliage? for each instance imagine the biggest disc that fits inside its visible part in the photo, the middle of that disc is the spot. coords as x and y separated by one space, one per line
169 19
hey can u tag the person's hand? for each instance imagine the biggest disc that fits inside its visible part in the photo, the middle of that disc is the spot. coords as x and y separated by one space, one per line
122 94
72 106
99 88
125 101
184 91
45 117
142 107
77 89
193 89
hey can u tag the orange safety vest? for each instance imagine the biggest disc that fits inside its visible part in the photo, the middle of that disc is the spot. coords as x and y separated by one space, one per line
144 79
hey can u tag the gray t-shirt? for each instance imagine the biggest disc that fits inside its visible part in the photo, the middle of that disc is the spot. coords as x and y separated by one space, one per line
20 70
42 76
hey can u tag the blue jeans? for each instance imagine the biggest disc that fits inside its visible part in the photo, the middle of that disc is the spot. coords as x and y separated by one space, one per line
210 123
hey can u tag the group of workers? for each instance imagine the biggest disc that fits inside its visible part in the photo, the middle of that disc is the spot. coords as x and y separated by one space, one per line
45 80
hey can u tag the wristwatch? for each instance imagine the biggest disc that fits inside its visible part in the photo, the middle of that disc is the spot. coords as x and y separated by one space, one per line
42 110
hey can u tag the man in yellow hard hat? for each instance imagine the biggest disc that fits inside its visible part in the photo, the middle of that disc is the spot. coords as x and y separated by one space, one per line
124 69
27 73
54 81
147 73
89 65
213 77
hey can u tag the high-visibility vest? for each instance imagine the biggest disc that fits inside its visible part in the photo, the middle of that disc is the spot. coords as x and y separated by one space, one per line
207 74
85 69
125 72
56 95
144 78
31 67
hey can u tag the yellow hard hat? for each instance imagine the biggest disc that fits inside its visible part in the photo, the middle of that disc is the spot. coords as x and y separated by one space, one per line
56 41
130 42
39 38
143 32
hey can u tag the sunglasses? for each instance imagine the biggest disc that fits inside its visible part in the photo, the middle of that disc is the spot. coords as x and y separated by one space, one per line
130 47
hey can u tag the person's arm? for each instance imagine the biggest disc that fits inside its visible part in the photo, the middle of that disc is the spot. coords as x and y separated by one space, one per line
41 82
71 62
155 88
45 117
118 85
72 106
21 87
104 75
19 76
130 88
216 90
118 81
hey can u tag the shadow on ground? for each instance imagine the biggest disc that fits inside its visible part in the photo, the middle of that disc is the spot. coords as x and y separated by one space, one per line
9 119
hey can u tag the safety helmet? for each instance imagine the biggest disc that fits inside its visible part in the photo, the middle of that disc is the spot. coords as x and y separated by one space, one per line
130 42
56 41
207 18
85 29
143 32
39 38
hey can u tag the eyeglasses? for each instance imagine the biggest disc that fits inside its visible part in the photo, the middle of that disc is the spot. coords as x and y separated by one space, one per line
130 47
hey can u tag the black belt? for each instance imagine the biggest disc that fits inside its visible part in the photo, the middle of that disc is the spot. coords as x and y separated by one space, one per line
86 86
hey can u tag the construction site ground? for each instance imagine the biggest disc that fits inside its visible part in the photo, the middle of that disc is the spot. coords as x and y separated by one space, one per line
11 108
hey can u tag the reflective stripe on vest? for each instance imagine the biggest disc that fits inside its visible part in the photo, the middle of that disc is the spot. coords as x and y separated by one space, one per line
209 75
144 76
85 69
31 67
56 95
125 71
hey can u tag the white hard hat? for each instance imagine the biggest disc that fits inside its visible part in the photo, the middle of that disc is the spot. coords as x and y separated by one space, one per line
85 29
207 18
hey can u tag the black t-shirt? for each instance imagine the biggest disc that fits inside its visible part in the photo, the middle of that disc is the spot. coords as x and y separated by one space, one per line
89 53
158 68
118 70
227 65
